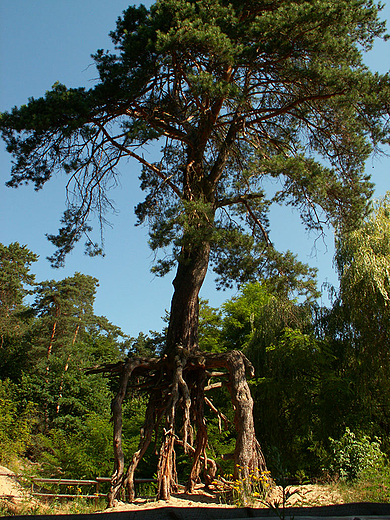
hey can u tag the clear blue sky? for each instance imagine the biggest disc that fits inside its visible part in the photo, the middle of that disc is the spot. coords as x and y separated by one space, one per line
44 41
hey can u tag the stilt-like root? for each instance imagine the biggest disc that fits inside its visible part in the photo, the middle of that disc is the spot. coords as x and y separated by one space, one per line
201 435
126 370
248 456
116 409
210 466
166 470
179 383
220 415
151 418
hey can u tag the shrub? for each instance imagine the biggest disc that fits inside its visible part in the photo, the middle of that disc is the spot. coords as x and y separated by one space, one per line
16 423
353 455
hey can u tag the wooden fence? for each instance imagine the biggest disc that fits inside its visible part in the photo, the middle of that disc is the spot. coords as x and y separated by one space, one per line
69 483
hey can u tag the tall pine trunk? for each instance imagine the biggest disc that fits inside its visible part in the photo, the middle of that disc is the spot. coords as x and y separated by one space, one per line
181 346
177 393
184 315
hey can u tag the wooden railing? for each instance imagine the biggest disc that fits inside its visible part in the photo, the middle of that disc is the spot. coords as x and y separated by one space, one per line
69 482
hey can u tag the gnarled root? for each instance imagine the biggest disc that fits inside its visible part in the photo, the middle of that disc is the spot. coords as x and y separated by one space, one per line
248 456
151 417
177 384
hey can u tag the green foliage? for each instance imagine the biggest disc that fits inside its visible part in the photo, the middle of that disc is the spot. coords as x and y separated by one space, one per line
364 267
244 312
358 322
51 409
65 339
222 435
372 486
292 400
292 367
210 322
307 385
15 280
133 420
147 345
15 263
235 94
83 449
301 395
83 453
356 456
257 317
17 421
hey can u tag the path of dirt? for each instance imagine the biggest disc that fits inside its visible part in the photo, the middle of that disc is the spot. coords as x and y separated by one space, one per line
17 498
9 485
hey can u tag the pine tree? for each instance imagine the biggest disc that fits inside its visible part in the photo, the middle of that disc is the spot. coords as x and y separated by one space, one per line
234 93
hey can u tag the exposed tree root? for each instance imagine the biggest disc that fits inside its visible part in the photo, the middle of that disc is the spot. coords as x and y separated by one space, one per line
177 386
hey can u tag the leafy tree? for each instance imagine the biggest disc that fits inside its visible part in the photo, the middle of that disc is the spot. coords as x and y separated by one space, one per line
15 262
210 323
15 278
363 262
234 93
16 422
46 347
297 401
63 310
64 340
71 408
353 455
294 372
361 314
147 345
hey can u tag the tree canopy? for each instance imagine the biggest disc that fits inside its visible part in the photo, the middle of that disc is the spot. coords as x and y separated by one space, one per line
234 93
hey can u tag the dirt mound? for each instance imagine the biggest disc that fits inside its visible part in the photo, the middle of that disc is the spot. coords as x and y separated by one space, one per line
311 495
200 498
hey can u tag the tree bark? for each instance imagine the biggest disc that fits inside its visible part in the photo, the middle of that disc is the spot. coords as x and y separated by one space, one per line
126 370
66 368
184 315
201 436
248 456
182 341
152 416
119 458
48 355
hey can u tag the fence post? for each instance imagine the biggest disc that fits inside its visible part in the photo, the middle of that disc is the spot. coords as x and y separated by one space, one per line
97 492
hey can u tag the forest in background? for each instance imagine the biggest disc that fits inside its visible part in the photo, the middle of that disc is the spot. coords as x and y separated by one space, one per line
321 389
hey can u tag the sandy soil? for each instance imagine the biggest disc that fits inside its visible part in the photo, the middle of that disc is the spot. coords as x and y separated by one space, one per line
200 498
300 496
9 484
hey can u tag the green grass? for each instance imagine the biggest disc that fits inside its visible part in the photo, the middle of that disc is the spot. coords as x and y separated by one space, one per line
373 488
52 507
